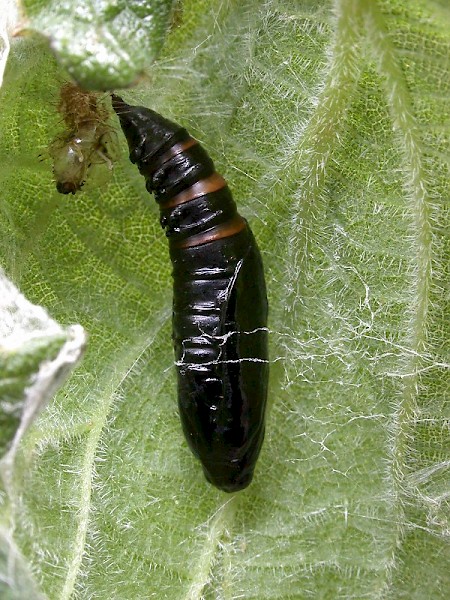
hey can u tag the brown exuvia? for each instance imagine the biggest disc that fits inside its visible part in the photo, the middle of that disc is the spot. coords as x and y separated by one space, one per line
87 141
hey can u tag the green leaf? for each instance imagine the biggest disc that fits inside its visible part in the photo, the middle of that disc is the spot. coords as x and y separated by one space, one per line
36 356
331 123
16 581
103 44
32 366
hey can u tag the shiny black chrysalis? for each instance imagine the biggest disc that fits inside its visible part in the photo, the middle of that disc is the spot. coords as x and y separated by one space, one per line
219 297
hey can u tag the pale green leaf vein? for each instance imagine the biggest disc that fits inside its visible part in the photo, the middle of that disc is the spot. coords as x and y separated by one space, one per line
310 157
218 526
405 124
114 383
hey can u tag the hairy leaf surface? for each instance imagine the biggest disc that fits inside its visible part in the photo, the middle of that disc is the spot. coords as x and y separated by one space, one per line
331 122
